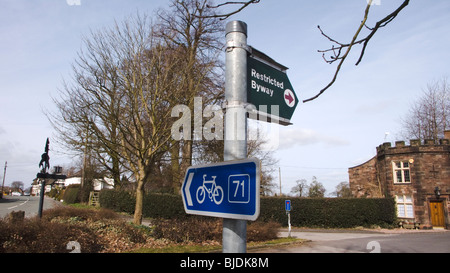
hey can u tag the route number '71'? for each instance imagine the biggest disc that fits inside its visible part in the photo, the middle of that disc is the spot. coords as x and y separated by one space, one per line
239 188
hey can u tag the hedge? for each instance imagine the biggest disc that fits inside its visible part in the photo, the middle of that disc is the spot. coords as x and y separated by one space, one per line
71 194
155 205
331 212
305 212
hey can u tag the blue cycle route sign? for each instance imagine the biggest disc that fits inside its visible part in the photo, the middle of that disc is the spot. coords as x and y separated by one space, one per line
227 189
288 205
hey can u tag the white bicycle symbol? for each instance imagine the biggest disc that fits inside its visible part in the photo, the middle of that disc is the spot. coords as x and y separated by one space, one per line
215 193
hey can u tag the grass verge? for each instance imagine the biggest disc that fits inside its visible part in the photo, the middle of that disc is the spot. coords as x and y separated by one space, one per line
217 248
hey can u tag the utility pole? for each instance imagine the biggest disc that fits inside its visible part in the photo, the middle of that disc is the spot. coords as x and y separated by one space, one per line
279 179
4 175
235 145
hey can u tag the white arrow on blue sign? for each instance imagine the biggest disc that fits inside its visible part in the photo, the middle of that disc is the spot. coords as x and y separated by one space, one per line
228 189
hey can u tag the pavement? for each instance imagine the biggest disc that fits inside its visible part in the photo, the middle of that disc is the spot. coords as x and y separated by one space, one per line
364 241
284 232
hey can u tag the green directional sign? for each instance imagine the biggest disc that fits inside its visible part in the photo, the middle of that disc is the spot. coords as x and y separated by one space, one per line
269 89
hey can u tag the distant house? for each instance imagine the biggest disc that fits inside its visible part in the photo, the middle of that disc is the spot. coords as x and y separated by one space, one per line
416 175
105 183
99 184
70 181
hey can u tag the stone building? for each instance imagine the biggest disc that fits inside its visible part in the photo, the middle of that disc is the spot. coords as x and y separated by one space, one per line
416 175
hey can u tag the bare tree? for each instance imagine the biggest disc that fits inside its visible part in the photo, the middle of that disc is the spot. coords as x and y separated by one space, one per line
256 147
343 190
212 151
300 188
17 185
190 26
429 116
89 106
316 189
126 83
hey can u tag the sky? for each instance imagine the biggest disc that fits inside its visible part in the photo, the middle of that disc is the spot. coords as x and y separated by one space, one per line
341 129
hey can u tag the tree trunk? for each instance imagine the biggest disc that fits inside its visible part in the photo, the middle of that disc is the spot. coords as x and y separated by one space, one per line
175 162
139 202
186 160
116 173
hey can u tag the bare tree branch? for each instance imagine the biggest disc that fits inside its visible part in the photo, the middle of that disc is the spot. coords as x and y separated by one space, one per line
227 15
336 51
382 23
342 59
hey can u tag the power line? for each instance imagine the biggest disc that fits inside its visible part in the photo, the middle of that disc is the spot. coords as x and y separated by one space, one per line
21 165
314 168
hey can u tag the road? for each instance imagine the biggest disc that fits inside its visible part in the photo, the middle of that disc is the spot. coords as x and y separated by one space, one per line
29 204
366 241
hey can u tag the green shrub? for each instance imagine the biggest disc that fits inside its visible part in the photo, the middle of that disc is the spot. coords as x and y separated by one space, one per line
163 206
155 205
71 194
120 201
56 193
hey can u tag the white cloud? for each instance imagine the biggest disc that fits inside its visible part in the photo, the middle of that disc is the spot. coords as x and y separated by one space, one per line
302 137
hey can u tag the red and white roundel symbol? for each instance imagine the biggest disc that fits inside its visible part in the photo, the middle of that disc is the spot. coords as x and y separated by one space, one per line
289 98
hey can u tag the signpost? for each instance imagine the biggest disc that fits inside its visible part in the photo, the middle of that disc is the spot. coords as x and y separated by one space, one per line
256 86
269 89
227 189
45 164
287 206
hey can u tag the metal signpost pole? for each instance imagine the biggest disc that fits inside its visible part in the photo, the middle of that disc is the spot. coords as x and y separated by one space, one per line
288 212
235 144
45 164
41 199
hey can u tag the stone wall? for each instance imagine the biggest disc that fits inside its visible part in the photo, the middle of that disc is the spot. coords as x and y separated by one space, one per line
364 180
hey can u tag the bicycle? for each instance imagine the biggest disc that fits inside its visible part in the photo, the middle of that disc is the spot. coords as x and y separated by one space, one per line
215 193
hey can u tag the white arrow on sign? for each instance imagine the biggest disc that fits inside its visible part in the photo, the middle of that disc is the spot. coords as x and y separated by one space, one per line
186 189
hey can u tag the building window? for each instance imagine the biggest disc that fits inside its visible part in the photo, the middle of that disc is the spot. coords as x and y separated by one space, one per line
401 172
404 206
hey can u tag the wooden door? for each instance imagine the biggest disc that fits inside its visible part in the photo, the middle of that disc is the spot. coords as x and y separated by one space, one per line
437 214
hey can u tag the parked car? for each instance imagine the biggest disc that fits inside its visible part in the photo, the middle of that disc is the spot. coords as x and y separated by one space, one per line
16 193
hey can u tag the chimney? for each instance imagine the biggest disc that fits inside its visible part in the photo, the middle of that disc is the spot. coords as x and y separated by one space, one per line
447 134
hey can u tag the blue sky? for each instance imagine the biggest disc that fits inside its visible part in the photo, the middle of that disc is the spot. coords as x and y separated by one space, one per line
41 38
